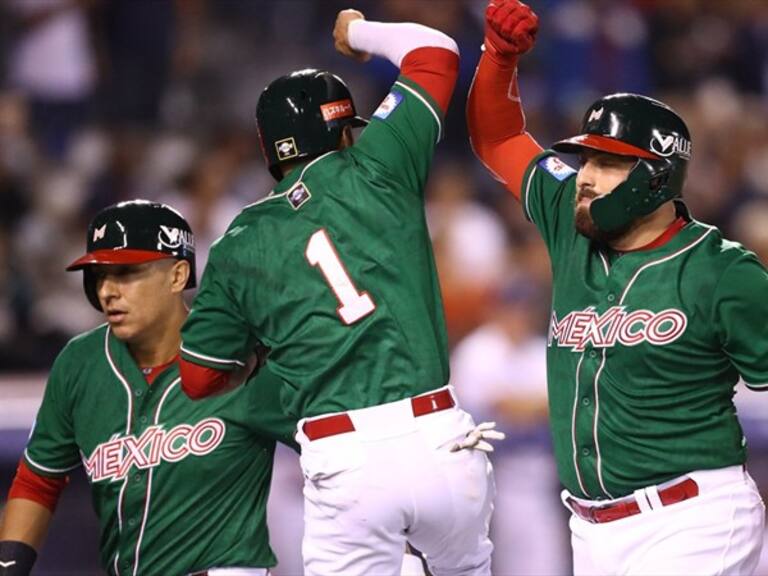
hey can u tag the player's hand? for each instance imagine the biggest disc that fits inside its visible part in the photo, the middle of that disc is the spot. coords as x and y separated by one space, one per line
478 438
341 35
510 27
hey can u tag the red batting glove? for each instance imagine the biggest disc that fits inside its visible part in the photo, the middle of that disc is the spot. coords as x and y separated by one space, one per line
510 27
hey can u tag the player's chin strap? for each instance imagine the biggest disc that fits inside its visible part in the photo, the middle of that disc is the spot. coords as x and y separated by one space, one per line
477 438
648 186
16 558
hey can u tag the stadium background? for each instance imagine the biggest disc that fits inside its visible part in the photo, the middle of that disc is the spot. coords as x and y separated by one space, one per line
107 100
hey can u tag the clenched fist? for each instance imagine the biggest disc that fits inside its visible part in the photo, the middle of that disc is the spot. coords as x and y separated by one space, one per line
341 35
510 27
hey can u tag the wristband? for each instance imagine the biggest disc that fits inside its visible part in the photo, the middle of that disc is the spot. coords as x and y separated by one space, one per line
16 558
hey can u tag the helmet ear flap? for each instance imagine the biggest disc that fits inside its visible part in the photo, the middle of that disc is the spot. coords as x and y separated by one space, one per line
89 284
649 184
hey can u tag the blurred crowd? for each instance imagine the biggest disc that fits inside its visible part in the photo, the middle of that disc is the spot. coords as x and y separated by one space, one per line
108 100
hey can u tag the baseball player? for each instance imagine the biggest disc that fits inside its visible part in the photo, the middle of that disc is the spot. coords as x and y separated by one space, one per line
153 457
334 272
655 316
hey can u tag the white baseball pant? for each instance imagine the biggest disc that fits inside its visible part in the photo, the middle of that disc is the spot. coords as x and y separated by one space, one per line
718 532
394 479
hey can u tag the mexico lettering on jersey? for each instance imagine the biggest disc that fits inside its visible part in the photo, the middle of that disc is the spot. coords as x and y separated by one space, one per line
645 347
154 458
114 459
581 328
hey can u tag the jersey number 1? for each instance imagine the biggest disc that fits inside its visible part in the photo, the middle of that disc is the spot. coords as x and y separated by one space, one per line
353 305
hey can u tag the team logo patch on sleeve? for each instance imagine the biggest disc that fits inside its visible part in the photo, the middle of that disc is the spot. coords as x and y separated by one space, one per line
556 167
298 195
388 105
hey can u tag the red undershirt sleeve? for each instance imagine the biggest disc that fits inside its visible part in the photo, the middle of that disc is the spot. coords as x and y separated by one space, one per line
497 123
41 489
201 381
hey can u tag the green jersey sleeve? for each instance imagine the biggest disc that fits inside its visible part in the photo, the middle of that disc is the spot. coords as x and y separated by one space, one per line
216 334
52 448
741 317
271 420
401 137
547 196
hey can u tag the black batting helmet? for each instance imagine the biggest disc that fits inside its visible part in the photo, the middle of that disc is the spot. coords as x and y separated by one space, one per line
635 125
303 114
134 232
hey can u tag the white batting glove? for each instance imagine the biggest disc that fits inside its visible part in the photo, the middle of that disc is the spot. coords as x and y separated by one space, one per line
477 439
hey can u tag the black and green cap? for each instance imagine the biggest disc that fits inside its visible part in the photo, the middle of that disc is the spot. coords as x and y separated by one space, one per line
638 126
303 114
134 232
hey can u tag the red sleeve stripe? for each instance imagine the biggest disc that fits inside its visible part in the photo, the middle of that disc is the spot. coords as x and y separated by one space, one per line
200 381
435 70
31 486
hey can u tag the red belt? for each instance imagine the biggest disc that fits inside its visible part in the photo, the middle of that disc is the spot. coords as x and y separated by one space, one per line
599 514
342 423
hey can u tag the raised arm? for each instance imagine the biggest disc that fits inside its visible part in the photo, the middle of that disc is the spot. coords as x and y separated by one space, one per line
494 112
424 55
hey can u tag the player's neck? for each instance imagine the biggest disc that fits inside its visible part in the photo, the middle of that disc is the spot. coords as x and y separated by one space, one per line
162 342
647 229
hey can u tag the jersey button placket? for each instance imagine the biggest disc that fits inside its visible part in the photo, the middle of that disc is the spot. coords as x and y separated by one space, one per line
585 414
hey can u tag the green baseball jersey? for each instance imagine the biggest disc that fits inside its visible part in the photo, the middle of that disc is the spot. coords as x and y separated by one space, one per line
334 272
177 485
645 347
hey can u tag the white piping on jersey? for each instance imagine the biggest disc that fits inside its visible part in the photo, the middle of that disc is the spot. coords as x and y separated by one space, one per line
45 468
272 194
602 363
120 511
527 192
122 381
210 358
605 262
573 427
429 107
662 260
117 570
761 386
127 428
594 429
149 481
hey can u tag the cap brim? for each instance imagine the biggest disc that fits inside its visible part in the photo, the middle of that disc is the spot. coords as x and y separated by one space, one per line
117 257
604 144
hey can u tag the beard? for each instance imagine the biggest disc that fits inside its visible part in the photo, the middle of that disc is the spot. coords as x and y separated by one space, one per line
586 226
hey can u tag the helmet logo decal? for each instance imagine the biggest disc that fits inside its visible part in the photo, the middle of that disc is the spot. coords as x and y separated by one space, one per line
298 195
99 233
172 237
669 144
286 148
595 114
338 109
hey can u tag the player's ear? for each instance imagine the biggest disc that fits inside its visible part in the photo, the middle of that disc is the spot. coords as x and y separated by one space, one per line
347 138
179 275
